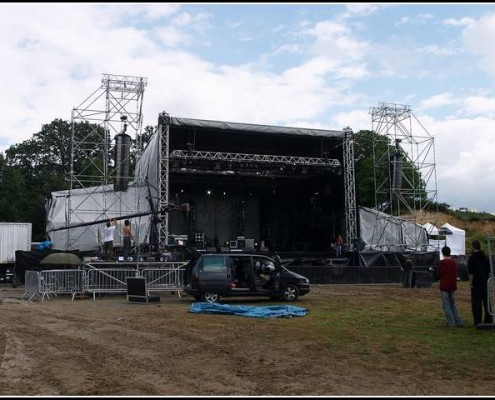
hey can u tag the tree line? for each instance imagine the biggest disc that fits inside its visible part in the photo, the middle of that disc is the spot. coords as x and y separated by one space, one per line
31 170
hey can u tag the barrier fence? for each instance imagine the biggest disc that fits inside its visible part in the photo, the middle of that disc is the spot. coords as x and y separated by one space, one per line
46 284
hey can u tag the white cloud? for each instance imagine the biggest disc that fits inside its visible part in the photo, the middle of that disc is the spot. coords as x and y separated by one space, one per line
464 148
336 40
479 105
357 120
439 50
419 19
479 38
439 100
465 21
354 10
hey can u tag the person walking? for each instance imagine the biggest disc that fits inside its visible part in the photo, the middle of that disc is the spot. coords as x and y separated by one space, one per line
127 239
108 239
479 272
447 275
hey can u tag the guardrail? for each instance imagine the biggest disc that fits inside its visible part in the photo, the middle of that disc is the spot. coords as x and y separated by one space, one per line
161 277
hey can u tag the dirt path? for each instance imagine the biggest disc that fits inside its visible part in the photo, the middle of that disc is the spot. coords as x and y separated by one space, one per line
112 347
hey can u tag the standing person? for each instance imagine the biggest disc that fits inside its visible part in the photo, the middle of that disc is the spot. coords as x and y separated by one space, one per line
447 275
479 272
407 270
127 239
108 239
338 246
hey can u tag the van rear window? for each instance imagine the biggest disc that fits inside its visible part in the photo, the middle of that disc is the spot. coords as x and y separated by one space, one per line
216 264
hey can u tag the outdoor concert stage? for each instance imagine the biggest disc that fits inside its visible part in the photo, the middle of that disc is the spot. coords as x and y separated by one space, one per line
283 187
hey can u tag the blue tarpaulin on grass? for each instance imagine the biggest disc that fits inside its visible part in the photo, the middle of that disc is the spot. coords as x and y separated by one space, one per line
286 311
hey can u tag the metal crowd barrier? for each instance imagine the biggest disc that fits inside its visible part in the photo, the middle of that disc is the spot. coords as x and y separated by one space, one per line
491 295
31 285
163 279
162 276
108 280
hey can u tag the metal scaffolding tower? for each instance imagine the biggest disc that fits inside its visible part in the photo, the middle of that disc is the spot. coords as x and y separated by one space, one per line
163 176
404 163
114 108
350 189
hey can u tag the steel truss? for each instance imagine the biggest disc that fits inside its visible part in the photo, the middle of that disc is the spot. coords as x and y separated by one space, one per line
398 153
163 131
349 189
258 158
114 107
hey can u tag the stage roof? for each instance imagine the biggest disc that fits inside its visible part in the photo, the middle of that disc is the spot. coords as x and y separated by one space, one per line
268 129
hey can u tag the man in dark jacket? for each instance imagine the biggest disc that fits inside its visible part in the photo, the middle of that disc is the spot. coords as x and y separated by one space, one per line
407 269
479 272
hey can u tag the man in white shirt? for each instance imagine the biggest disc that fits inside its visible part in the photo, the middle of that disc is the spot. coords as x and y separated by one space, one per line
108 239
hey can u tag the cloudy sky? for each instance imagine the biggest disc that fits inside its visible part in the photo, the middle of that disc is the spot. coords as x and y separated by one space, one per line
301 65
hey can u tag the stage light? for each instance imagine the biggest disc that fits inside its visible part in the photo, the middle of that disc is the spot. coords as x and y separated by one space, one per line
208 192
224 193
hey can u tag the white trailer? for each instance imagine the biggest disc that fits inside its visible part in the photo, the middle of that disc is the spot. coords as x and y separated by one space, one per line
14 236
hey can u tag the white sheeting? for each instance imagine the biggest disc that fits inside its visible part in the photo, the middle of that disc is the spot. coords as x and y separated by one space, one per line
382 231
87 205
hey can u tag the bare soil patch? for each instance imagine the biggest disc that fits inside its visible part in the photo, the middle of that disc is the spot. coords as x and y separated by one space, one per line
108 346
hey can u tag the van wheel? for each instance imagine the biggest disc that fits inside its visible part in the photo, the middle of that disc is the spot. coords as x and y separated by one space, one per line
211 297
291 292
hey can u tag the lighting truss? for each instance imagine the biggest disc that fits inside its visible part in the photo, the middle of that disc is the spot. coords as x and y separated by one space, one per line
258 158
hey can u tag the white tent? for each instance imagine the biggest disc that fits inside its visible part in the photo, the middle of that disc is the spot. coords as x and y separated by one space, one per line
433 244
456 241
431 229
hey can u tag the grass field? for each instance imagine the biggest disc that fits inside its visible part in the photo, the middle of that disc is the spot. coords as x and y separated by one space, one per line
355 340
405 330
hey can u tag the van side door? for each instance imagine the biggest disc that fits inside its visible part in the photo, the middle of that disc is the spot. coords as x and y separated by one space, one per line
215 274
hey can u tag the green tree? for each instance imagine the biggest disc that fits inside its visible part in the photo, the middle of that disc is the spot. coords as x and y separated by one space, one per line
40 165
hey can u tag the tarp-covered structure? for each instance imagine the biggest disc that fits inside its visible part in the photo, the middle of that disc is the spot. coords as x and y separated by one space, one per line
381 231
215 215
456 241
88 205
